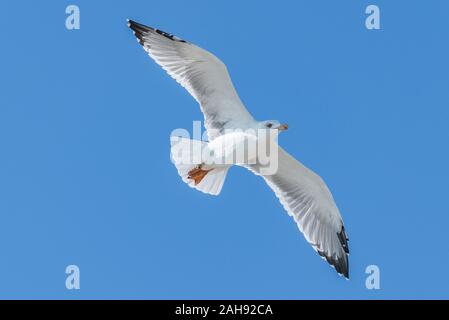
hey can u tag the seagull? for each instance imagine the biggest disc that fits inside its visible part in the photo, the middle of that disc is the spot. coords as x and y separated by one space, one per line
303 194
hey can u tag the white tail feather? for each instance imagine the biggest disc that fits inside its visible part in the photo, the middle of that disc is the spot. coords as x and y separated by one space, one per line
186 156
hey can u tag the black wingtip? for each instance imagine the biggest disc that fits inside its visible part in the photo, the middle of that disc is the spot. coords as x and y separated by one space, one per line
140 30
344 243
343 239
345 268
138 27
341 264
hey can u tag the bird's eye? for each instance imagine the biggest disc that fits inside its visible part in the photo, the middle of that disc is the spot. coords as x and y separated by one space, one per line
269 125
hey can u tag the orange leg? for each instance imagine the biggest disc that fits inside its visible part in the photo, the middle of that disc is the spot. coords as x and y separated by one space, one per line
198 174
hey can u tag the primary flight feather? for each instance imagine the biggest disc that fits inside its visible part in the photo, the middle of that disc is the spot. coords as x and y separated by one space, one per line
303 193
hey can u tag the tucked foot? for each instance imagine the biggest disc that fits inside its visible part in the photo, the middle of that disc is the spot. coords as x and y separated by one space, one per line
198 174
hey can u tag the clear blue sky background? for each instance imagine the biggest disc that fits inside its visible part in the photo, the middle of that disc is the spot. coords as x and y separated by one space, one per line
85 176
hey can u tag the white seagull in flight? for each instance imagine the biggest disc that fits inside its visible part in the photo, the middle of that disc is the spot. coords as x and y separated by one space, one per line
303 193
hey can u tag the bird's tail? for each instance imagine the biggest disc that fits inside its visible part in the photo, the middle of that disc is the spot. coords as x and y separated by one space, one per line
188 157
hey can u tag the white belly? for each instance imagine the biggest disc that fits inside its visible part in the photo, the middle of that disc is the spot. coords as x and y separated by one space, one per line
234 148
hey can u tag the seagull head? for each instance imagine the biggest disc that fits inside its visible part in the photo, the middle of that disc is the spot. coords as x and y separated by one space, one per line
273 124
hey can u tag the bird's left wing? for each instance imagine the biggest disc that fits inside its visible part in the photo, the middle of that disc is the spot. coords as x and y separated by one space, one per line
202 74
307 199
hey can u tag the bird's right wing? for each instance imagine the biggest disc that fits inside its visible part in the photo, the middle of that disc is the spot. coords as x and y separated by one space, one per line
307 199
202 74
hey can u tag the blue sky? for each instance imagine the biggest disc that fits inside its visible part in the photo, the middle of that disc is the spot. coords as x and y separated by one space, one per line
85 176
